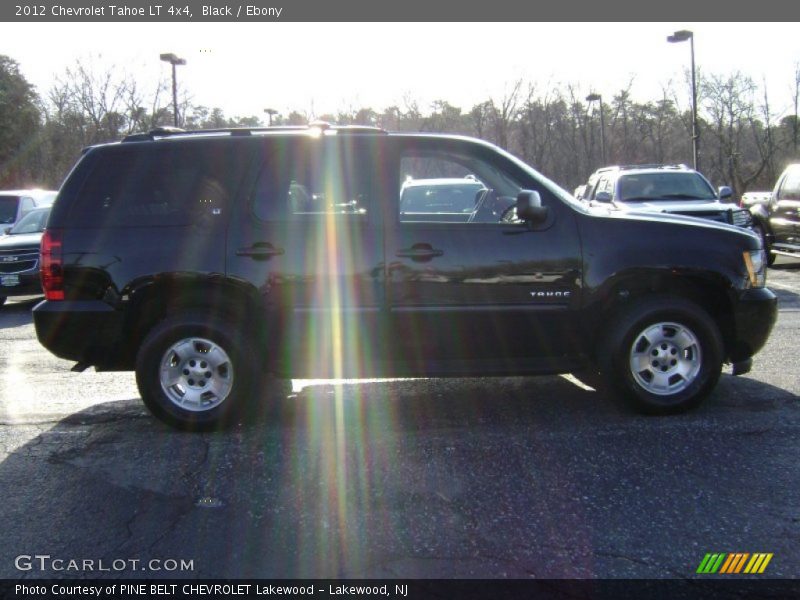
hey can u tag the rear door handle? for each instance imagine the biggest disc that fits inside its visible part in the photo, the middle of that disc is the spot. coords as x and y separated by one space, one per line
420 252
260 250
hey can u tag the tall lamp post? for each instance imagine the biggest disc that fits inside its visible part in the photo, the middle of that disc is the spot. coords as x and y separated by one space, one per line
598 98
682 36
174 61
271 112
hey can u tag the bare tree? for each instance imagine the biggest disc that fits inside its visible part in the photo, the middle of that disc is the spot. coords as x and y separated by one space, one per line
479 116
503 113
741 147
548 125
764 139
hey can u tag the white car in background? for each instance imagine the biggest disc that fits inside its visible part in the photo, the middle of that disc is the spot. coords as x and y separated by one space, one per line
749 199
15 204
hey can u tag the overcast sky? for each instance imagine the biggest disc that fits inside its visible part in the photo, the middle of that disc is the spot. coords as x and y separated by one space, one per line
318 67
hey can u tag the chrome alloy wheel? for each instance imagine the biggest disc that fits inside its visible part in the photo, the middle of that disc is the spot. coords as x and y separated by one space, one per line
665 358
196 374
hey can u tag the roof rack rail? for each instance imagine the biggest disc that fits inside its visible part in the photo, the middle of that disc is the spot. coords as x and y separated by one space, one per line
644 166
325 126
164 132
358 129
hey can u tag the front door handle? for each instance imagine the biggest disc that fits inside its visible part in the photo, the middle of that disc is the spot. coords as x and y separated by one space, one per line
260 250
420 252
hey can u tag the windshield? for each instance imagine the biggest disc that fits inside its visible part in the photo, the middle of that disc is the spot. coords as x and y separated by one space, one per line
8 208
33 222
552 186
663 186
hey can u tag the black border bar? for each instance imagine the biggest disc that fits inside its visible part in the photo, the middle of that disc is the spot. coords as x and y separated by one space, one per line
405 11
710 588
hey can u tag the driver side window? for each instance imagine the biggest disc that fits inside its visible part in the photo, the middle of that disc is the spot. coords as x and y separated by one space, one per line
446 189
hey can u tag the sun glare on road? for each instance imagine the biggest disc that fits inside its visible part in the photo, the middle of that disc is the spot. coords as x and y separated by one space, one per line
298 385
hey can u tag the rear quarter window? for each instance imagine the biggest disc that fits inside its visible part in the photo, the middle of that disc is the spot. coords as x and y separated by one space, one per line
159 184
309 180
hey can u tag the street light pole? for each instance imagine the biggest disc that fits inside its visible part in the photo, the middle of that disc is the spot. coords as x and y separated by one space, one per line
682 36
174 61
270 113
599 98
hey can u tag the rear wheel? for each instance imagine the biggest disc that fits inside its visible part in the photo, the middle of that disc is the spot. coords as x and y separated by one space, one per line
192 370
664 354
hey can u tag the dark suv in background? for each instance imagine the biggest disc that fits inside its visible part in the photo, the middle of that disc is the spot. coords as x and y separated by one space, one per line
777 221
672 189
208 260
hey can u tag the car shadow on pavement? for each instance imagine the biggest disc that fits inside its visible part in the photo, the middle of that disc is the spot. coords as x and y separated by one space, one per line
783 285
15 313
408 478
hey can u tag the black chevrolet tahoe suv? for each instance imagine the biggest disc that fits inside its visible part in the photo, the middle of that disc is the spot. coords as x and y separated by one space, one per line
205 261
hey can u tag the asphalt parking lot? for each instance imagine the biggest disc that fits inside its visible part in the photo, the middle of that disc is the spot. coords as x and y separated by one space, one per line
511 478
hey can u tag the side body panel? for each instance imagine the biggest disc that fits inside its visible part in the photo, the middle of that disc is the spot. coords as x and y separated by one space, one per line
489 297
307 237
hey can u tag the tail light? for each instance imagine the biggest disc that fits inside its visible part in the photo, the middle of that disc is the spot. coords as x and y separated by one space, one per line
52 265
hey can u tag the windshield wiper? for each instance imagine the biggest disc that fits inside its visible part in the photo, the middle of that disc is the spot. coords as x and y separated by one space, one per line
638 199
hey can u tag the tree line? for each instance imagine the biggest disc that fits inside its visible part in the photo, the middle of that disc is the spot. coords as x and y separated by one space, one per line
553 128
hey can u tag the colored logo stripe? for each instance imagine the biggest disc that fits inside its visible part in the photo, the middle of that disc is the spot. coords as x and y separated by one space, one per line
710 563
733 563
758 563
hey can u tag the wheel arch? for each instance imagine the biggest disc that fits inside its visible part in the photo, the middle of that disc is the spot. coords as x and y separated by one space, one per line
151 301
710 291
760 215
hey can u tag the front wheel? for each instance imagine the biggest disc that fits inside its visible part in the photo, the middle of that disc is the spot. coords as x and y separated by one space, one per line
663 353
192 370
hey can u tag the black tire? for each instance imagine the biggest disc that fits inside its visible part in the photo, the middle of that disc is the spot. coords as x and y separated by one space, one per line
758 229
2 300
662 353
194 369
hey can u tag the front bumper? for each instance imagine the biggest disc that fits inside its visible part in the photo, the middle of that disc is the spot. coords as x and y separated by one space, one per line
27 283
754 315
86 331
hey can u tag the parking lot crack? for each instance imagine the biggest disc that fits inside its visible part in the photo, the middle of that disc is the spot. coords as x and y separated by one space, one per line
639 561
191 475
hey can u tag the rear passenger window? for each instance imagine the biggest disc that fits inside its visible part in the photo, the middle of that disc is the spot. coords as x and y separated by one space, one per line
310 180
159 185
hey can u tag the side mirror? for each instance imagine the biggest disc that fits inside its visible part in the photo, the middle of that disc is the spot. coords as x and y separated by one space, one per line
602 197
725 193
7 230
529 207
